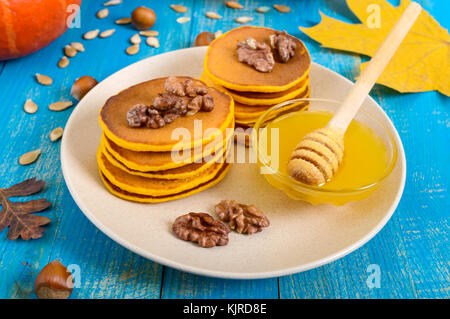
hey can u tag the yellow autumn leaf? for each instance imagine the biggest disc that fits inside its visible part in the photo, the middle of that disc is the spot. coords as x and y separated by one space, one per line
421 63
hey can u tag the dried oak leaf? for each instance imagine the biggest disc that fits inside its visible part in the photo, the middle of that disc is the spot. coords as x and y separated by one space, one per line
420 64
17 215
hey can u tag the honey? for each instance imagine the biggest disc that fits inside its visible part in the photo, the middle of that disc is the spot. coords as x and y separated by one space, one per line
365 157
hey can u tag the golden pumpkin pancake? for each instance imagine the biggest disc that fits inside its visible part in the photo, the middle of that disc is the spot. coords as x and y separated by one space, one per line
182 172
222 65
152 186
257 98
157 161
113 120
248 120
245 111
157 199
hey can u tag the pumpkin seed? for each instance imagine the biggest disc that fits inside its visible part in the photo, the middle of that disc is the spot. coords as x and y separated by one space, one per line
243 19
218 34
234 5
183 19
112 3
149 33
282 8
91 34
103 13
213 15
132 50
178 8
263 9
70 51
107 33
123 21
30 107
136 39
63 62
77 46
60 106
56 134
44 79
153 42
29 157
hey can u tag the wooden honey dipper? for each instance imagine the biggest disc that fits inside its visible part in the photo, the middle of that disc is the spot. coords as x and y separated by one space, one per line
318 156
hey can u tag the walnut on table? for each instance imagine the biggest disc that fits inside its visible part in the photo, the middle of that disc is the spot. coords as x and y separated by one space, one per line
202 229
245 219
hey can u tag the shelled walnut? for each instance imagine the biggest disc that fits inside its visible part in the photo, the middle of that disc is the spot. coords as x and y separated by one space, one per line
284 45
245 219
181 99
258 55
202 229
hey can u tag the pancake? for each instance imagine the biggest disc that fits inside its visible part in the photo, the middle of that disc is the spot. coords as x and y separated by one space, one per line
157 199
157 161
257 98
245 112
222 65
113 120
248 120
269 96
182 172
152 186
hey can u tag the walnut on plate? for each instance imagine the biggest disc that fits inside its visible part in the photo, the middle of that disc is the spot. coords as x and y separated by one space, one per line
201 228
245 219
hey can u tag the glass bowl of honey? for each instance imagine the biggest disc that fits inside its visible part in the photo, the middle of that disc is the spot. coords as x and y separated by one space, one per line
370 151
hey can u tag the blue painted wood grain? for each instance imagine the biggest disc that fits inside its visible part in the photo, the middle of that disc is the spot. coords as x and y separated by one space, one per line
412 250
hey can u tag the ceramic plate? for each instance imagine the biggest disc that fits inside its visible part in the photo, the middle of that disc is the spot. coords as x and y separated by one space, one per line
301 236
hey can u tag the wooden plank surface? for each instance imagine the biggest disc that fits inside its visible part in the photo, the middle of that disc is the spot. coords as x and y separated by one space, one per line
411 251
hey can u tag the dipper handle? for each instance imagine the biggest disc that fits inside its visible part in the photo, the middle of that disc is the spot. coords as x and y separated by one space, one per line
374 68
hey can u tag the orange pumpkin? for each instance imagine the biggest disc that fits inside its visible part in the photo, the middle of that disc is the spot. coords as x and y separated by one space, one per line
29 25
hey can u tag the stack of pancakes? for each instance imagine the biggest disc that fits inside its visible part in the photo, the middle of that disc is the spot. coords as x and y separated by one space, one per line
255 92
177 160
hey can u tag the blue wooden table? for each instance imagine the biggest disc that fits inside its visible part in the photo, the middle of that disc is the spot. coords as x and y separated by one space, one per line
412 251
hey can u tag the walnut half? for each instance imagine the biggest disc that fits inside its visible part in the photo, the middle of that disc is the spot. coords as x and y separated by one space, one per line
202 229
245 219
258 55
284 45
180 99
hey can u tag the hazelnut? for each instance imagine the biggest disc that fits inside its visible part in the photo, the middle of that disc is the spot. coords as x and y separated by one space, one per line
143 18
204 38
53 282
82 86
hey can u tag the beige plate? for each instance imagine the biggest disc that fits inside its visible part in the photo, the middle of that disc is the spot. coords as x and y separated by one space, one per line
301 236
